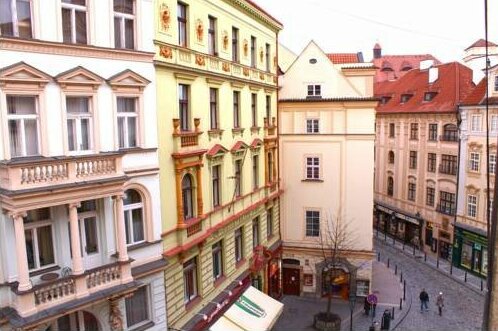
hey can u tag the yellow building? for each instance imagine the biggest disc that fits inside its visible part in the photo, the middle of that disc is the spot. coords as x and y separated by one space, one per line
217 99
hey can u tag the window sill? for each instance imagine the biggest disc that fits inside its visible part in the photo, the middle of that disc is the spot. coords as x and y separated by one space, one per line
133 150
43 271
238 131
192 303
143 327
312 180
142 244
215 133
255 129
240 263
219 281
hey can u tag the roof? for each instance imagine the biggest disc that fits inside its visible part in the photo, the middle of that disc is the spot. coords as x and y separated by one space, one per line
252 3
453 85
481 43
338 58
396 63
478 96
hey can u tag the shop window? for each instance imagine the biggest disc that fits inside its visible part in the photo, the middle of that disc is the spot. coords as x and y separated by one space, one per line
466 259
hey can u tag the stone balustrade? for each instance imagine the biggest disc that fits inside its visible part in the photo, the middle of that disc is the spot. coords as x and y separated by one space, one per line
103 275
55 291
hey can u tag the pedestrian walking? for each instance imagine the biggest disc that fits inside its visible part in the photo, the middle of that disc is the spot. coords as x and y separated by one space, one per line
366 307
440 303
424 301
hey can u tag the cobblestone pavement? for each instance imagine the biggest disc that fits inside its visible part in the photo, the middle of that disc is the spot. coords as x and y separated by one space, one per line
463 304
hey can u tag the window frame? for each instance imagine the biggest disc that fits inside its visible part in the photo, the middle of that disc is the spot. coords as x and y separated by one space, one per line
412 191
430 196
16 23
314 167
213 108
312 125
413 160
254 62
36 116
472 205
148 301
215 184
239 244
73 8
492 163
184 107
78 117
256 238
128 209
413 131
126 116
433 128
212 29
390 186
190 267
474 161
33 227
392 130
122 18
188 198
236 110
475 123
217 259
267 56
269 222
235 45
254 109
431 162
182 18
312 230
238 172
314 90
255 171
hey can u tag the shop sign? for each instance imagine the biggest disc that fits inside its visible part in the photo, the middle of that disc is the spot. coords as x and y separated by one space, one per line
474 237
384 209
407 218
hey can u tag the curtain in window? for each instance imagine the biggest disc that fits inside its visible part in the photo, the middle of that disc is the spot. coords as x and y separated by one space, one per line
117 32
91 235
30 248
24 18
129 37
138 225
67 34
6 24
45 245
31 136
127 227
137 307
80 20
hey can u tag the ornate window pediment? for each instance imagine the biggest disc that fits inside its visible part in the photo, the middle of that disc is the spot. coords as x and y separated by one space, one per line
216 153
79 77
128 79
256 145
239 149
472 189
23 73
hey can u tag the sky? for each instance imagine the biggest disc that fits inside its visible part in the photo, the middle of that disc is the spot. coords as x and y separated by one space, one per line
443 28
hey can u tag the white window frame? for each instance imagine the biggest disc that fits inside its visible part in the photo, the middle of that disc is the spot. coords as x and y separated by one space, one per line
311 218
312 125
492 164
269 222
125 116
15 21
22 118
474 161
81 219
256 238
33 226
129 209
496 83
217 256
122 17
77 117
191 266
475 124
239 245
74 8
314 167
471 205
314 90
493 125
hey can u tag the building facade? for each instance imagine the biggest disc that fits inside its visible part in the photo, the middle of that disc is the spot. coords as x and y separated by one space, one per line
327 121
470 248
416 164
81 241
474 57
217 95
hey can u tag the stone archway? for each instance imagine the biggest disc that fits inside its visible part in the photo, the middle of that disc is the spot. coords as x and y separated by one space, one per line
339 275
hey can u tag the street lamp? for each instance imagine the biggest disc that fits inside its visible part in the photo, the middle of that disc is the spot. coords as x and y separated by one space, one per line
352 303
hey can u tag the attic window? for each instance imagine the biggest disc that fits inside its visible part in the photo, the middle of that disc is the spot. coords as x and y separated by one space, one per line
387 69
406 68
314 91
312 61
405 97
428 96
384 100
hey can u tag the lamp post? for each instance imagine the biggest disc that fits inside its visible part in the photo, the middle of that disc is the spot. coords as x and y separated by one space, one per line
352 296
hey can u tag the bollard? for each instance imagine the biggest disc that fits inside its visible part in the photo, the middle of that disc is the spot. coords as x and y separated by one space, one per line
378 256
437 262
481 285
401 278
400 304
404 290
392 316
451 268
425 257
403 245
394 240
413 249
396 269
465 279
388 263
385 235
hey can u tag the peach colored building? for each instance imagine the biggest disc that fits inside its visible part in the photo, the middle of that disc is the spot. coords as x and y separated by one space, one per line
327 121
416 163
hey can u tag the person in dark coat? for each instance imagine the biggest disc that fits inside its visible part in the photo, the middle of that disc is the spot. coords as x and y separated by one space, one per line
366 307
440 303
424 301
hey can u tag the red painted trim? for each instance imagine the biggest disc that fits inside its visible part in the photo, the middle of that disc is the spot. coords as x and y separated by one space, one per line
183 155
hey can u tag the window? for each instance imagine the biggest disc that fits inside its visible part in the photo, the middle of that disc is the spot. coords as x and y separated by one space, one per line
431 162
314 90
313 168
268 108
405 97
137 307
492 163
413 160
87 217
448 164
216 185
474 162
428 96
255 232
312 125
213 108
79 119
188 197
270 167
450 132
312 223
217 254
412 188
494 123
182 24
74 21
190 280
127 122
239 247
124 24
384 100
391 130
475 125
184 113
414 131
254 109
255 171
134 217
236 109
433 132
308 280
253 52
267 57
38 234
471 206
22 118
212 36
496 83
235 44
269 222
390 186
447 203
390 157
238 178
15 18
430 196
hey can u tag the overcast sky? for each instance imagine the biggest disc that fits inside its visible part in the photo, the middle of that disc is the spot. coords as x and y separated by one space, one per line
443 28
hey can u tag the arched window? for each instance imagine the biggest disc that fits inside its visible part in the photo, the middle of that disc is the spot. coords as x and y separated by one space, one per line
187 196
133 207
390 186
391 157
450 132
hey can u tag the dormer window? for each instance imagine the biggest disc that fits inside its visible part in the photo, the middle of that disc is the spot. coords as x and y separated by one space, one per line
384 100
314 90
405 97
428 96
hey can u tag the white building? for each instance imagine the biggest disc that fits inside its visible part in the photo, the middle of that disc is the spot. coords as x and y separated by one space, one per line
81 224
327 120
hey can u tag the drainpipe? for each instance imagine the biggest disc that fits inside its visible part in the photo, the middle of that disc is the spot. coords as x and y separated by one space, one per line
459 122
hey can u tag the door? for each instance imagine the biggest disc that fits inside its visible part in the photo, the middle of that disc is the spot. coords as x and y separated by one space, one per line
291 281
89 234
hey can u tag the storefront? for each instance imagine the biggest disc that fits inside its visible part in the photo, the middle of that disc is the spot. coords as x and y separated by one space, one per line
265 269
470 249
402 225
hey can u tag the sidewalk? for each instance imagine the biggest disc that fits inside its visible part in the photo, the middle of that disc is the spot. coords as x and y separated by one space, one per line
473 282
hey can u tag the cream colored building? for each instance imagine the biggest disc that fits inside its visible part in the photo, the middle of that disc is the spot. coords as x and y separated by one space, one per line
416 164
80 227
217 106
327 121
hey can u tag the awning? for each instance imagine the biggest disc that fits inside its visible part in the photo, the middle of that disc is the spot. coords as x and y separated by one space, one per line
254 310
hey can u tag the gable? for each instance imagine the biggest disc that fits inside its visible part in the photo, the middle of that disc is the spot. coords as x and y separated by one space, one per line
79 76
128 78
22 72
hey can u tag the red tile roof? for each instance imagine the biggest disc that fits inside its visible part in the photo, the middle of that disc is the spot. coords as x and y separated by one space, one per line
481 43
339 58
393 65
215 150
477 95
256 143
239 145
454 84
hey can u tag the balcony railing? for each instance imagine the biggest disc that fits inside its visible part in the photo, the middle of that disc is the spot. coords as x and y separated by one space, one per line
186 138
449 137
446 209
57 290
37 173
270 127
448 169
103 275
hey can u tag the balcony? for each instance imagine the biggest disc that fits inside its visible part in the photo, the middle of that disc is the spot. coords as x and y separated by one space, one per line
449 137
448 169
446 209
270 128
185 139
25 174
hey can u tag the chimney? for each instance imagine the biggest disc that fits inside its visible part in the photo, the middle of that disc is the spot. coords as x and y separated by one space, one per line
433 74
426 64
377 51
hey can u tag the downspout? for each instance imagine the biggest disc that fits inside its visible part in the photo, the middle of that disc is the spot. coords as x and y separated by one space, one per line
280 276
459 122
